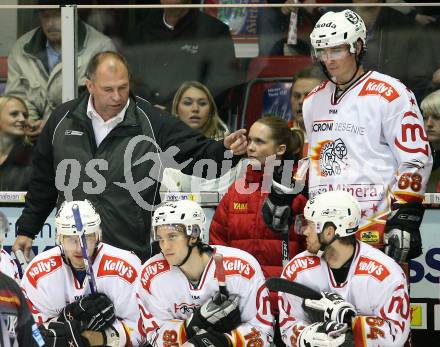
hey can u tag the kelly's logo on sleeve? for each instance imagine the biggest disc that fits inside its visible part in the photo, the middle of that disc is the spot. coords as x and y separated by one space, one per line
112 266
42 268
151 270
377 87
298 265
370 267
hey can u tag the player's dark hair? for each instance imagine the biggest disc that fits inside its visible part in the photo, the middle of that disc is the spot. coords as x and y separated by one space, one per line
347 240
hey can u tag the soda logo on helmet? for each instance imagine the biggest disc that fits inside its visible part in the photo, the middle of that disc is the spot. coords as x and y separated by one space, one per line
237 266
326 25
300 264
112 266
352 17
42 268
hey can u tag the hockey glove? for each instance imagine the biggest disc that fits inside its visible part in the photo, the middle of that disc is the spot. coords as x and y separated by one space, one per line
330 307
210 338
402 232
96 311
222 317
328 334
62 334
277 212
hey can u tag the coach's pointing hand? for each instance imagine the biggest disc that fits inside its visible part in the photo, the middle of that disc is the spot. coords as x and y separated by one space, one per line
236 142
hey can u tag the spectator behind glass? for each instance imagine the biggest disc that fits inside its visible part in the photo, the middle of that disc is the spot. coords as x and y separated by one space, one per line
194 105
15 150
34 69
273 26
175 45
238 221
430 107
302 84
389 34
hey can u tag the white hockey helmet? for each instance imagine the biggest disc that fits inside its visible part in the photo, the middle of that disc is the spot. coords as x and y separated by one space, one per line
4 227
338 207
65 222
186 213
338 28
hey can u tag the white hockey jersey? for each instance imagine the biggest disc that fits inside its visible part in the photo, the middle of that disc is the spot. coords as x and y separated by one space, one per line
375 285
167 298
8 266
370 142
50 285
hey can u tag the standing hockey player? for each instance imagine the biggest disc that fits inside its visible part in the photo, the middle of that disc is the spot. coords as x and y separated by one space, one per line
7 264
366 137
188 295
365 298
58 286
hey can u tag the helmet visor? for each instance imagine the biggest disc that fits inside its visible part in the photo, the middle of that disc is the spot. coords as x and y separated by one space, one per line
167 231
71 241
332 53
301 224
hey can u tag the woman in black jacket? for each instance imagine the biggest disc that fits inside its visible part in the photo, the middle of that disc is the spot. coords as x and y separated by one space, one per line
15 150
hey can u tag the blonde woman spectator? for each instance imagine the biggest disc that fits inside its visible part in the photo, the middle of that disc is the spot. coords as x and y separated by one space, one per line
195 106
430 107
15 150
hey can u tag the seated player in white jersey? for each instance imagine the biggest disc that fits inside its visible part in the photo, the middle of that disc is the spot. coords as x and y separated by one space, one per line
366 136
363 292
192 294
76 307
7 264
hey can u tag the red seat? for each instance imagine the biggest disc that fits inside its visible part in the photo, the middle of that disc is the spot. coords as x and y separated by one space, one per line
3 69
277 66
3 73
263 73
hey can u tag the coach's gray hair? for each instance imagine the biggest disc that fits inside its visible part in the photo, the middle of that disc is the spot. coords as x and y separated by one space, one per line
97 59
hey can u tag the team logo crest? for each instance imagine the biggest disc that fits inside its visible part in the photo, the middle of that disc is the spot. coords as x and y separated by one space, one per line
352 17
332 157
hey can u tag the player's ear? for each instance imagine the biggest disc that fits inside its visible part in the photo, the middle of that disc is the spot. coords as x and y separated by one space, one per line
193 240
329 230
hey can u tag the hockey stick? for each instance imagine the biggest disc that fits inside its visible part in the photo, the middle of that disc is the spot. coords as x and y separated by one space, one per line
285 249
277 284
220 276
84 251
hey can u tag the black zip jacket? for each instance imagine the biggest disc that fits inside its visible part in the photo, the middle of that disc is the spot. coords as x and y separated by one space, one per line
67 144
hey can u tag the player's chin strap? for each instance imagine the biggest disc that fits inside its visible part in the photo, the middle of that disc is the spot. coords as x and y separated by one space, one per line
358 65
68 262
326 73
203 247
324 244
190 248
